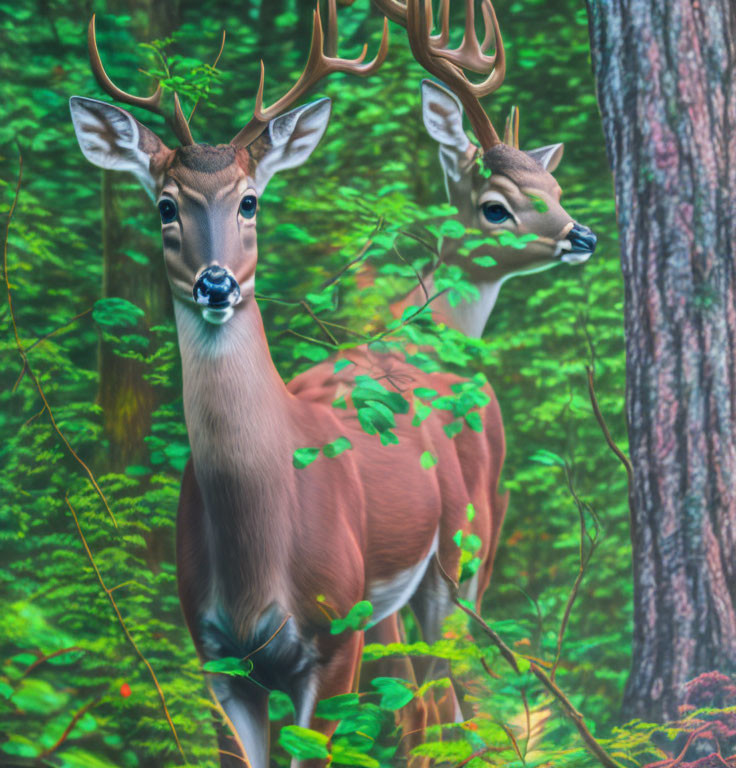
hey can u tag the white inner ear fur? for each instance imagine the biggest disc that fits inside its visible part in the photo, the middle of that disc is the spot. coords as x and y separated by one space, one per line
109 137
443 119
294 136
548 157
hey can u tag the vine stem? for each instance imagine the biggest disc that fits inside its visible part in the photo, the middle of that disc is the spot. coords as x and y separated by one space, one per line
24 356
124 626
578 720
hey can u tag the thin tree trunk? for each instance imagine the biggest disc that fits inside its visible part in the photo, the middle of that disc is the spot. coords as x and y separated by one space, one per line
126 398
666 93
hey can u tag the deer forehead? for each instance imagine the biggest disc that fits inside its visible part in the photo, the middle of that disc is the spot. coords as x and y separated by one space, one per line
208 172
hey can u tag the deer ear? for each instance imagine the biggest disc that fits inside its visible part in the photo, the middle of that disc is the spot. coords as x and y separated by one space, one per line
111 138
443 119
291 139
548 157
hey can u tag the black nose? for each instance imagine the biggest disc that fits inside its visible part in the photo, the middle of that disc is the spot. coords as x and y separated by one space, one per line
582 239
216 288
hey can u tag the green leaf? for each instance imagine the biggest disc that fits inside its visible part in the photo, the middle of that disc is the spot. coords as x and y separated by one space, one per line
485 261
452 228
543 456
424 393
115 312
427 460
230 665
395 693
74 757
343 754
474 421
338 707
357 618
453 428
341 365
470 511
340 403
303 457
279 705
336 447
303 743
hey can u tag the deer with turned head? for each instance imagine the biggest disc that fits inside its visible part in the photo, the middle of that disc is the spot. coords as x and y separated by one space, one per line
497 188
263 547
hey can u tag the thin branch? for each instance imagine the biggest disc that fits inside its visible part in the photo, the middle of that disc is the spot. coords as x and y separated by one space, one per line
22 351
75 719
214 65
584 561
416 272
263 645
42 659
361 253
124 626
604 428
594 747
314 317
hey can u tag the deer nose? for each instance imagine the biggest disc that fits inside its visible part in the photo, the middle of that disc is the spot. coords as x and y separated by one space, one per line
582 239
216 288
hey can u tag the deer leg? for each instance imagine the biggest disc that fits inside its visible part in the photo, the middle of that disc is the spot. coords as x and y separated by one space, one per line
432 604
413 717
339 675
245 705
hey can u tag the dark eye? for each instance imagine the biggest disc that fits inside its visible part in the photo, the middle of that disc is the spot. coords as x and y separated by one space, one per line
248 206
495 213
167 209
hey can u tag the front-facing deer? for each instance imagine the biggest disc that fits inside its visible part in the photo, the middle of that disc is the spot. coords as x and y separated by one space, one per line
266 552
508 194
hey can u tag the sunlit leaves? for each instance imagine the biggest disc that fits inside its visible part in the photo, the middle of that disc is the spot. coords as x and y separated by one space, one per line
115 312
357 618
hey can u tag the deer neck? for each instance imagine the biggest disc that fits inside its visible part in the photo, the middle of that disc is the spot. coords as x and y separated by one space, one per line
469 316
238 416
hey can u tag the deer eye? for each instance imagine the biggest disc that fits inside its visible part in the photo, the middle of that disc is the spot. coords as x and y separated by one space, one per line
248 206
495 213
168 210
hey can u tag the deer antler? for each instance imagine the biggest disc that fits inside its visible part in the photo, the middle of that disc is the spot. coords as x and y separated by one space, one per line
176 121
448 64
319 65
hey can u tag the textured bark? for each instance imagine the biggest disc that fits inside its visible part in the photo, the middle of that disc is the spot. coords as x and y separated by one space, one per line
126 398
666 92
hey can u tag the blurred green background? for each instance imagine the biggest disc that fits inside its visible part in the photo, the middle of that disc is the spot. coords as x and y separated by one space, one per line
375 164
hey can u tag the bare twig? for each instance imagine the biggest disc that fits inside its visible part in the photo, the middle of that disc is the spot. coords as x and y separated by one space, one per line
263 645
583 564
41 659
593 746
124 626
78 715
622 457
214 65
361 253
24 357
314 317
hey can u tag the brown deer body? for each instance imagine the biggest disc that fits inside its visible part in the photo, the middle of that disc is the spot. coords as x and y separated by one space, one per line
268 553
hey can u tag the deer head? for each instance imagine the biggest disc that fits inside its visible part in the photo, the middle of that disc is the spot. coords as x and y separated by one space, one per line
208 196
496 187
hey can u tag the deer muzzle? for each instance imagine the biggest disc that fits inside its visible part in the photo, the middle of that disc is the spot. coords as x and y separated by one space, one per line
216 291
582 244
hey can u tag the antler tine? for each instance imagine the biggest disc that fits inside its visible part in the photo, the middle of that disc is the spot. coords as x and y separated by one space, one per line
152 103
441 39
447 66
392 9
318 65
470 53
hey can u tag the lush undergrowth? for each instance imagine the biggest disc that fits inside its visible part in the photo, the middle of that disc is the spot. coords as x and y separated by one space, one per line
97 667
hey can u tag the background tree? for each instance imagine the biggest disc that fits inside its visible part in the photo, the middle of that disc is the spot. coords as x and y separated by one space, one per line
668 99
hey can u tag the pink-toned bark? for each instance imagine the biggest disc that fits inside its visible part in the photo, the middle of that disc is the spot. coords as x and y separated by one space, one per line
668 103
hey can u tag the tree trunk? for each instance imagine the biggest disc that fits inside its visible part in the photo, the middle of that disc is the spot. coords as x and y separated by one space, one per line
664 75
126 398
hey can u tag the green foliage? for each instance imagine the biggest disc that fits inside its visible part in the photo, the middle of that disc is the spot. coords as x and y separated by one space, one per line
357 618
372 196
